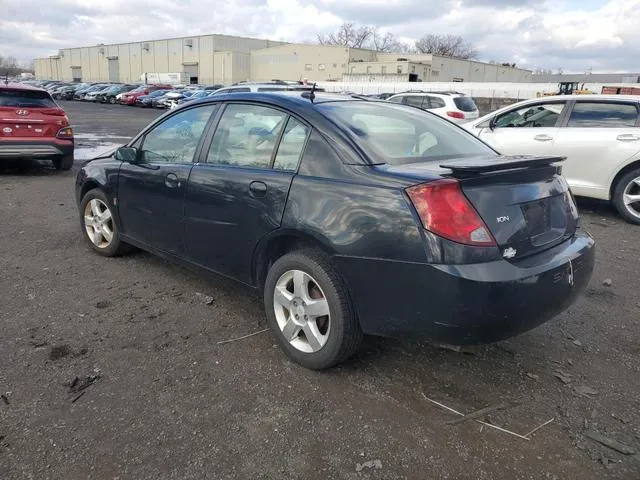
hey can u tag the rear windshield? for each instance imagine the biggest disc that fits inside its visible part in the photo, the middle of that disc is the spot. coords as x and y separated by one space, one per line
397 134
25 98
466 104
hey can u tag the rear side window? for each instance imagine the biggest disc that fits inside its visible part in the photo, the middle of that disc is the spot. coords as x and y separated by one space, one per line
465 104
414 101
436 102
396 99
591 115
25 98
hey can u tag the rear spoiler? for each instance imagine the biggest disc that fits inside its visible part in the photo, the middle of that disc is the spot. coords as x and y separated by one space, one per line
476 166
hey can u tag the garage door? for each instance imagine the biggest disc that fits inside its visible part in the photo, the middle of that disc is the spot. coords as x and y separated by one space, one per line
191 73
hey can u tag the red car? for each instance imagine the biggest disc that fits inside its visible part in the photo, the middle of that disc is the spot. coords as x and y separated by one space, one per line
130 98
33 126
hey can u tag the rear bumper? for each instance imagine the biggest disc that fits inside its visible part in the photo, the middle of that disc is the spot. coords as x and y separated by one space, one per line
34 149
468 304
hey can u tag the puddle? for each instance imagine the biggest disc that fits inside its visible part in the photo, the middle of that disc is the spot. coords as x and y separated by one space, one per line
82 152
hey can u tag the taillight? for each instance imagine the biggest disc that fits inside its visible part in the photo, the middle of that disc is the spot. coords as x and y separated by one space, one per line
455 114
445 211
52 111
65 132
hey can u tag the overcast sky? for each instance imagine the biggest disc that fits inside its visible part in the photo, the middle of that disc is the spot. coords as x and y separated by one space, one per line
574 35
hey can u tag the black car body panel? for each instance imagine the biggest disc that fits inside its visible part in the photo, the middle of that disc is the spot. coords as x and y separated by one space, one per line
403 279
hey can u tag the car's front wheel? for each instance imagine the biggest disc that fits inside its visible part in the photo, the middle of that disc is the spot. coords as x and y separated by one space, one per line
309 310
626 196
99 225
112 100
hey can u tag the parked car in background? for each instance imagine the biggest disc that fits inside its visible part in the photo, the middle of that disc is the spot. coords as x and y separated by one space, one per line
64 93
129 98
147 100
599 135
82 94
33 126
109 96
454 106
171 96
197 95
348 216
92 96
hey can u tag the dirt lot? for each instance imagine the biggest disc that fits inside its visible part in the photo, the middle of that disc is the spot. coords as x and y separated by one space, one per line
165 400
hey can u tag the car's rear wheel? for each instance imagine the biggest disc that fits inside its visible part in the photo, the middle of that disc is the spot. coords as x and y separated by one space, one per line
626 196
99 225
112 100
63 163
309 310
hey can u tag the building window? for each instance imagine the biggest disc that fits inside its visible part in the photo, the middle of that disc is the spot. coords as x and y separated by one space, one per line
335 65
369 69
399 70
435 73
344 65
321 66
353 69
384 69
413 69
308 66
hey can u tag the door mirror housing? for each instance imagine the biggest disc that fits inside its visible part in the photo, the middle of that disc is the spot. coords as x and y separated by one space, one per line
127 154
493 122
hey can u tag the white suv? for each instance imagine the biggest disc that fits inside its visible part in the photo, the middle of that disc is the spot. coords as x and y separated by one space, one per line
454 106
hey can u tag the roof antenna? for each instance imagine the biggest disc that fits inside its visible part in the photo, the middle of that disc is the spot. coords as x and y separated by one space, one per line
311 93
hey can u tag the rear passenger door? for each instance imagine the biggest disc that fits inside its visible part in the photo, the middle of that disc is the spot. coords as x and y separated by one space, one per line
598 138
237 193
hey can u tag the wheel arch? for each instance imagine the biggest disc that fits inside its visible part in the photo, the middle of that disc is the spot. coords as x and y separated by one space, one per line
621 173
278 243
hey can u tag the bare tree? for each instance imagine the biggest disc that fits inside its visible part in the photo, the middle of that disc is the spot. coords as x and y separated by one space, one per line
385 42
446 46
348 35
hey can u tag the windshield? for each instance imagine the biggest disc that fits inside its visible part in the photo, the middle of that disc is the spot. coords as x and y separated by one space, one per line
396 134
25 98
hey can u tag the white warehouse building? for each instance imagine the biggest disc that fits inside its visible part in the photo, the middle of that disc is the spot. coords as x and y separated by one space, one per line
224 59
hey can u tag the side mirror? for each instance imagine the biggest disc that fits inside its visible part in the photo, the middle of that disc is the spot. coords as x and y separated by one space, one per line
127 154
493 122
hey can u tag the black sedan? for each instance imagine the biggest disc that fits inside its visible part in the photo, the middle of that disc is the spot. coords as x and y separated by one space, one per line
349 216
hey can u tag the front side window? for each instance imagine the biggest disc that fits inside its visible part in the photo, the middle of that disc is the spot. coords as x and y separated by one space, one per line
291 145
176 139
532 116
246 136
396 134
611 115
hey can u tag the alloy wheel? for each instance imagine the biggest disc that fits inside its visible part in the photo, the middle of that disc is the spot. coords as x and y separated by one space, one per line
302 311
631 197
98 223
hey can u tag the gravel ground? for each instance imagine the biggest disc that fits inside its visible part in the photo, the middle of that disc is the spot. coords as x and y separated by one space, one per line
111 368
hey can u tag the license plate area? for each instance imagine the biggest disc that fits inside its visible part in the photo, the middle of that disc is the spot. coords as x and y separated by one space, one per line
546 219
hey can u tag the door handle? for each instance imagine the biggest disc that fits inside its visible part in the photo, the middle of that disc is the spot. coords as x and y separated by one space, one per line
628 137
543 138
171 181
258 189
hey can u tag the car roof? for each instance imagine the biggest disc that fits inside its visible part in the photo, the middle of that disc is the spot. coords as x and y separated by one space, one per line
427 92
584 98
20 86
290 97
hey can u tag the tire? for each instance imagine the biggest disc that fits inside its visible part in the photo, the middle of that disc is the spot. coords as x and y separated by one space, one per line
337 336
112 100
64 163
101 245
629 184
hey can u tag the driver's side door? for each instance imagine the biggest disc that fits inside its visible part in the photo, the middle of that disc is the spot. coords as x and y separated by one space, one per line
151 190
529 130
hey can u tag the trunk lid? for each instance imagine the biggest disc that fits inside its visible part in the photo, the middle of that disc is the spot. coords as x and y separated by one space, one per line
524 201
29 114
